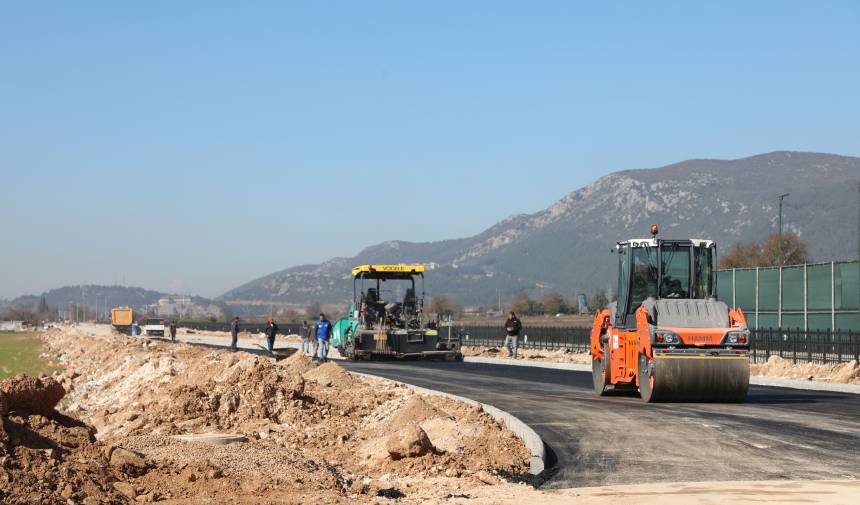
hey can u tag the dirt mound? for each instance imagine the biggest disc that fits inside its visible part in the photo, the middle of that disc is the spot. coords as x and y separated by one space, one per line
414 411
557 356
48 457
263 391
30 395
297 363
329 375
841 373
306 428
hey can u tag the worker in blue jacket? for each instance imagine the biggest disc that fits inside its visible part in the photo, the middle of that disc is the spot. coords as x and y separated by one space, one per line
323 334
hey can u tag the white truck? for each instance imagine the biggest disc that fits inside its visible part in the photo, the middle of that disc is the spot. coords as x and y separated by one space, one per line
153 327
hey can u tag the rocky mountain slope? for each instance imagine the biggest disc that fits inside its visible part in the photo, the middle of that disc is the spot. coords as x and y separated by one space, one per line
567 246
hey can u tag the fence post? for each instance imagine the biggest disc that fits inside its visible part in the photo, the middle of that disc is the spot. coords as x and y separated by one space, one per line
794 346
838 342
805 296
779 305
756 297
833 294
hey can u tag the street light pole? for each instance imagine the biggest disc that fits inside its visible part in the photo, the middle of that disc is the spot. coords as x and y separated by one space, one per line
779 244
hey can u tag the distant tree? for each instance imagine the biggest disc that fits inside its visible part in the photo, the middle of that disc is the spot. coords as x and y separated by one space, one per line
597 300
525 306
43 306
795 251
553 303
521 304
313 310
443 307
571 305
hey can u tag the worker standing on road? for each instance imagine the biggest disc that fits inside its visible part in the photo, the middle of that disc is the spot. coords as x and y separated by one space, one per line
323 334
303 336
172 329
314 344
512 334
234 332
271 331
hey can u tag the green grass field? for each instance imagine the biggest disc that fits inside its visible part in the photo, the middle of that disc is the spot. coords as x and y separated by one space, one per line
19 353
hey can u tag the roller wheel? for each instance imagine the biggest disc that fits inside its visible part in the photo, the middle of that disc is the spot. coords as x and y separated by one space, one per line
600 373
646 379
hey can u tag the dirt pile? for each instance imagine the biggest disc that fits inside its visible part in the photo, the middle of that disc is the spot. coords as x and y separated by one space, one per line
556 356
839 373
47 457
313 433
30 395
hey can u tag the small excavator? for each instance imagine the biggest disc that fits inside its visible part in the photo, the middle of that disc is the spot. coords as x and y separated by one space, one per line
667 335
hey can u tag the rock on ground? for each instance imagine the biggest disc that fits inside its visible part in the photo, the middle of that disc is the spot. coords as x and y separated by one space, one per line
408 442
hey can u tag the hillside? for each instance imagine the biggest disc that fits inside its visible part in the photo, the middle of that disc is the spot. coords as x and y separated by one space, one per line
567 246
100 296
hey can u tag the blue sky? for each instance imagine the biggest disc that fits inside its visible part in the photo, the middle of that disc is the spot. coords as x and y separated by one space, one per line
194 146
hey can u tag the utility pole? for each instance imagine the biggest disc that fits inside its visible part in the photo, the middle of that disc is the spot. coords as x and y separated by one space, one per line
779 244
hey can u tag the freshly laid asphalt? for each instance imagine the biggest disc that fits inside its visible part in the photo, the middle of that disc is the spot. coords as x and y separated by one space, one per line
777 434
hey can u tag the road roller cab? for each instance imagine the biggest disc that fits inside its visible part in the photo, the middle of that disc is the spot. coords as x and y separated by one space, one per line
667 335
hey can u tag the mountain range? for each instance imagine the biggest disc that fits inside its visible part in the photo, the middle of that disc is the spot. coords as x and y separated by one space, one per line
566 247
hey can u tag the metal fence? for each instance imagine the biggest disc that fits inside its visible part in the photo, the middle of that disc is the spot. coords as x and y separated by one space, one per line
283 329
812 296
800 346
575 338
794 344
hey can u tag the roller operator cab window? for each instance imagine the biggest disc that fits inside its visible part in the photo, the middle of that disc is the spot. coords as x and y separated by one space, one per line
704 271
643 278
676 271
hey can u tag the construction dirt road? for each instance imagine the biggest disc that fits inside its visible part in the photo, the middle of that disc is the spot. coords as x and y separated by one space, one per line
317 434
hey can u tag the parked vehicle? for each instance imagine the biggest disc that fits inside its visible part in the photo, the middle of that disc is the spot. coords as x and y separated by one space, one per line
153 327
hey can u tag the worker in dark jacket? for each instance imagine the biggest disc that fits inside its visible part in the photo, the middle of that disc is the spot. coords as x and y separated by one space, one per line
172 329
234 332
513 326
324 329
271 331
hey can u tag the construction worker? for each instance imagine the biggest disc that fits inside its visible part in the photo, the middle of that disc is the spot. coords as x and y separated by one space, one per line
271 331
323 333
512 334
234 333
303 336
172 329
314 343
135 329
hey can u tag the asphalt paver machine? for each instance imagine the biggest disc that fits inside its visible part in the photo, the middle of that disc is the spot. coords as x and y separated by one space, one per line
387 320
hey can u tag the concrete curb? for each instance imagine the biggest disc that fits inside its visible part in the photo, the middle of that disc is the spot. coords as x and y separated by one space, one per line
756 380
532 440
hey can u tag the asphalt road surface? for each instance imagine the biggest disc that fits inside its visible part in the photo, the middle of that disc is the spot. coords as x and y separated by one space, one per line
778 434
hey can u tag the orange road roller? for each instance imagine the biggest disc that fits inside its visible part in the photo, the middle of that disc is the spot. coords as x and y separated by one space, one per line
667 335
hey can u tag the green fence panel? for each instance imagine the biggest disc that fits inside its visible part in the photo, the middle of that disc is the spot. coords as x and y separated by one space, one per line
768 320
818 296
768 289
724 286
847 322
745 290
792 320
792 288
819 321
846 286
